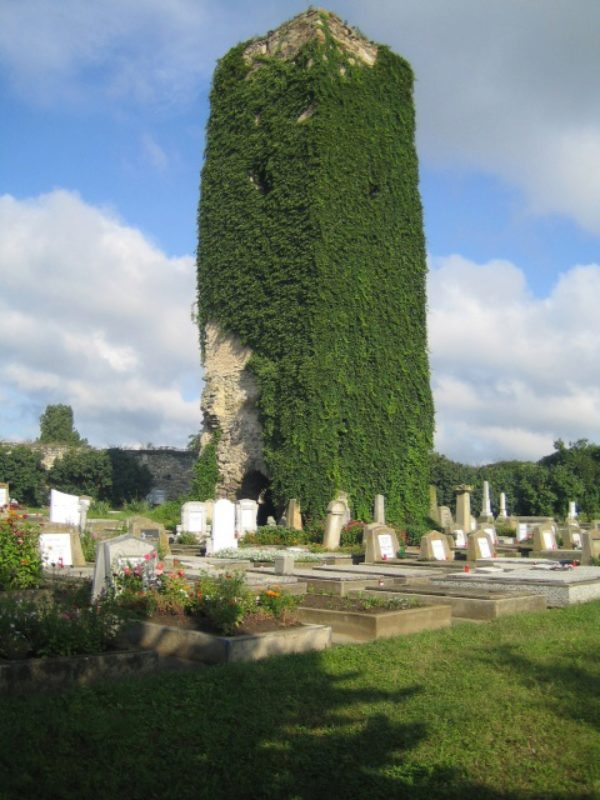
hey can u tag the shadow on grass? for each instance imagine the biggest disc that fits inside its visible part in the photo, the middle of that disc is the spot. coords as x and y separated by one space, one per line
571 689
297 727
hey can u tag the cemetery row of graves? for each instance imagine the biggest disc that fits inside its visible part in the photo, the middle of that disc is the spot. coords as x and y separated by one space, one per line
218 587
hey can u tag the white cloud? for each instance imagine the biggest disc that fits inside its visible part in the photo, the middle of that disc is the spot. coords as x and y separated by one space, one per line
511 373
504 87
93 315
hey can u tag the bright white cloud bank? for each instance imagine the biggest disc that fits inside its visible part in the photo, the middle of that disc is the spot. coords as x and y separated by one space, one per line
93 315
511 373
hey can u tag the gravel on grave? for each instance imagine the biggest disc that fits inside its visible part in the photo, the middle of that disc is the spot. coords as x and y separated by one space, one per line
337 603
252 624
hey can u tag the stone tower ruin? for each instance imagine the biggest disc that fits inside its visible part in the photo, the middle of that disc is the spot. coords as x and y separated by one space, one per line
311 273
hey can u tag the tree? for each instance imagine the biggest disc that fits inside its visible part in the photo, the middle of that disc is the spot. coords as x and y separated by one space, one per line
83 472
21 467
130 479
56 426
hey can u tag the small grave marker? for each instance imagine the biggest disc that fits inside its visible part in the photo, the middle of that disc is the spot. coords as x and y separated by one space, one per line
435 547
223 525
193 517
114 555
245 512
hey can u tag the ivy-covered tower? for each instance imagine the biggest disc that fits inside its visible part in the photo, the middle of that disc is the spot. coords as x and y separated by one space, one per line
311 274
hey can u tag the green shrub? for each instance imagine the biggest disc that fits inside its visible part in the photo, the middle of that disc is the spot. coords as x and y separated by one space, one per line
168 514
187 538
82 471
20 560
287 537
21 467
88 545
352 534
53 629
224 600
276 603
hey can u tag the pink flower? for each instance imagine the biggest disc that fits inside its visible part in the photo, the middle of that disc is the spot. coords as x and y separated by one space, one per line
148 556
126 571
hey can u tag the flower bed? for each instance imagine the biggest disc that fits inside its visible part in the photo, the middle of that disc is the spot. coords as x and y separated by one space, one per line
361 619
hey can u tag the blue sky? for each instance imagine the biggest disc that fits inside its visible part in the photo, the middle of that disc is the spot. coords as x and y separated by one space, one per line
103 109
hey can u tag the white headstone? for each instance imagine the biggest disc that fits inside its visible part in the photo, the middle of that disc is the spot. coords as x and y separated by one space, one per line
193 517
572 510
484 547
223 525
460 540
522 531
548 540
386 546
492 532
437 548
4 498
55 549
64 508
245 512
114 554
576 538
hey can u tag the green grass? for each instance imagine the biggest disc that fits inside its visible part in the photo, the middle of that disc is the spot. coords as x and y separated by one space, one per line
507 710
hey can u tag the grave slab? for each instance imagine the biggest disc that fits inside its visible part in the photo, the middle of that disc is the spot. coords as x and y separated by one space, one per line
470 603
560 588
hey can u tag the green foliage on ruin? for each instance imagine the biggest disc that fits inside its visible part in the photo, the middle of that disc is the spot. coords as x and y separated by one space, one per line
312 252
206 471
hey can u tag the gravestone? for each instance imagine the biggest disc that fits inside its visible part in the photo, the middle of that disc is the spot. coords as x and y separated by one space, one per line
342 497
491 531
479 546
571 537
446 518
193 517
543 539
434 512
284 564
486 507
150 531
4 494
464 519
246 512
435 547
293 515
336 511
572 516
381 543
460 538
84 506
223 525
64 508
113 555
379 510
502 514
590 546
525 526
61 547
271 522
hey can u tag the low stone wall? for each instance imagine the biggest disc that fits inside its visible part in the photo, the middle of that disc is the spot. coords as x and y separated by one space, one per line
172 469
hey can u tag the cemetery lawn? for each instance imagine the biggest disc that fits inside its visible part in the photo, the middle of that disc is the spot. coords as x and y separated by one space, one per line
505 710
